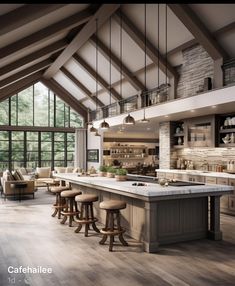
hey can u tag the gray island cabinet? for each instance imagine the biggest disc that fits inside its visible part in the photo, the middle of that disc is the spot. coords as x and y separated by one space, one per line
157 215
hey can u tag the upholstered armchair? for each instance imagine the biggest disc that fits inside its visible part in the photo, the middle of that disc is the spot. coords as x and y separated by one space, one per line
10 182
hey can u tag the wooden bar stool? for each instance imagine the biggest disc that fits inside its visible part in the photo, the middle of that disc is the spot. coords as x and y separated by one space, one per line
86 214
112 208
59 202
71 209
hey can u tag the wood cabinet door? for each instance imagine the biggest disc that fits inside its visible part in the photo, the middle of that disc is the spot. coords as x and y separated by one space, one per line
210 180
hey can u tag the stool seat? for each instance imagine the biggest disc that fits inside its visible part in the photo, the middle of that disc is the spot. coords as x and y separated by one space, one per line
59 189
112 205
86 198
111 229
70 194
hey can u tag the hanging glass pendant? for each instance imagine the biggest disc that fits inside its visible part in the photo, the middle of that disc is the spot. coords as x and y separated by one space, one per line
129 120
104 125
93 129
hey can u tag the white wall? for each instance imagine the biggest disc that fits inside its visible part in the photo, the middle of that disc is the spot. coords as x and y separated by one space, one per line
95 142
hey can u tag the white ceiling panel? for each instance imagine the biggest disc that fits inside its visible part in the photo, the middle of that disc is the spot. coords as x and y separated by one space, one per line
81 75
152 78
68 85
127 89
177 34
88 53
132 56
89 104
105 98
215 16
30 49
42 22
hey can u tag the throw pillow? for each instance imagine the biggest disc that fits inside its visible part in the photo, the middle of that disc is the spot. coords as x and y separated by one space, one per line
9 176
16 176
20 175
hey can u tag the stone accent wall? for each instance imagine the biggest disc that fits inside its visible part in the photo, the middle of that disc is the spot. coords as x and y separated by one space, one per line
197 65
166 131
213 156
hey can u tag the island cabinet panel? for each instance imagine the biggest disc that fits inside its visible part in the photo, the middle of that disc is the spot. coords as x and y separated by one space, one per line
179 220
224 200
210 180
232 204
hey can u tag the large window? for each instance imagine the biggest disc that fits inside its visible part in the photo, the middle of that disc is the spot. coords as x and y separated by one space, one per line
36 149
38 106
40 130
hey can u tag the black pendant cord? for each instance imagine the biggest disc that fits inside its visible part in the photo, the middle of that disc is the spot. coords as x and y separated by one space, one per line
121 52
110 57
145 48
158 53
96 63
145 56
166 45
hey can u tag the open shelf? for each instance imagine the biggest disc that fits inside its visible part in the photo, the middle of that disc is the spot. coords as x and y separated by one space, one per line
228 130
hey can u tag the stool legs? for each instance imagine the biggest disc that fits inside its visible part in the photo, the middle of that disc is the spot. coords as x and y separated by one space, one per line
110 230
87 218
70 211
59 205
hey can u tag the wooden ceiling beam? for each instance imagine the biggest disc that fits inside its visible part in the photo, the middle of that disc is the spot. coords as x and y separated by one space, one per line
82 87
139 39
101 81
48 50
72 21
24 15
117 64
103 13
19 85
195 26
21 74
66 96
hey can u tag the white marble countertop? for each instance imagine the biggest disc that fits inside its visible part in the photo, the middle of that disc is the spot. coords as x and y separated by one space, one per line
150 190
198 173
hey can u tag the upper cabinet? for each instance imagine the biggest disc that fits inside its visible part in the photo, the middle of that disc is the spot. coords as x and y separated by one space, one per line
196 132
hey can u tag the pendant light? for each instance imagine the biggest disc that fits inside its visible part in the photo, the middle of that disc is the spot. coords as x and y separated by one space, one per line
128 120
158 53
145 120
104 125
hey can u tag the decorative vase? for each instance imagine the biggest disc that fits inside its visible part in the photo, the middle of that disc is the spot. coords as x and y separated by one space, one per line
110 175
180 141
120 178
102 174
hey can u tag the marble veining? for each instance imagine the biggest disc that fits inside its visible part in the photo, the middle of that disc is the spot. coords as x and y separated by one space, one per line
148 191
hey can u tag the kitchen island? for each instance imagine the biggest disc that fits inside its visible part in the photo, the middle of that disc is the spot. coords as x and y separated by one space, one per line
158 215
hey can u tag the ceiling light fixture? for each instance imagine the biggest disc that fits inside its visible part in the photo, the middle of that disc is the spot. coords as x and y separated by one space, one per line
144 120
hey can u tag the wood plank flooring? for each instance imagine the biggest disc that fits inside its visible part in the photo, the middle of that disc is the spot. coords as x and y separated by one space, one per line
29 236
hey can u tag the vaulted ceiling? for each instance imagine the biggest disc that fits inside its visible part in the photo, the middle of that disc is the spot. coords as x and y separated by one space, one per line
56 44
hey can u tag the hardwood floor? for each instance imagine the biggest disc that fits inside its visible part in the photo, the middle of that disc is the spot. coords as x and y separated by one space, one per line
29 236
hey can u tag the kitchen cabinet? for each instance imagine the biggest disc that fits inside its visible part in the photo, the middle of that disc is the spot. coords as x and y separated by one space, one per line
196 132
201 131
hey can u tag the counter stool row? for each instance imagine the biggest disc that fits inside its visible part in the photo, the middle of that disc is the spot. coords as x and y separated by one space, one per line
66 205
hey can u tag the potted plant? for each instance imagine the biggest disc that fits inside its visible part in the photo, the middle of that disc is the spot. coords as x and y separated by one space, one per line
121 174
102 171
111 172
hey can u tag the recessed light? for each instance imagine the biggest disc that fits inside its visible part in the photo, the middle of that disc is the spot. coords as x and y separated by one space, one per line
213 106
166 116
192 110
